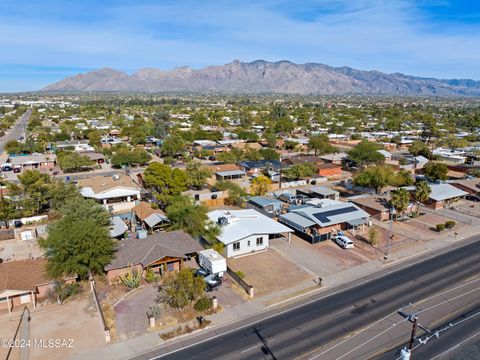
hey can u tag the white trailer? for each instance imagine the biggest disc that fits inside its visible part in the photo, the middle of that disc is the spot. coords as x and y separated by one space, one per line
212 261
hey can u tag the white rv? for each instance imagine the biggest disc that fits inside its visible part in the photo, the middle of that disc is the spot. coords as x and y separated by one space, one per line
212 261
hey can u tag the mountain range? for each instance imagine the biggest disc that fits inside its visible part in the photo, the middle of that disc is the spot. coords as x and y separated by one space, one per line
282 77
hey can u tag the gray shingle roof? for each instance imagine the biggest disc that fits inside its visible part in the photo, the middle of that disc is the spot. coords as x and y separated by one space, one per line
153 247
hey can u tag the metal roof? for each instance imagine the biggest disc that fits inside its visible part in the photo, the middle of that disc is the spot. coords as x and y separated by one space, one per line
230 173
323 190
442 192
154 219
263 200
296 221
244 223
118 227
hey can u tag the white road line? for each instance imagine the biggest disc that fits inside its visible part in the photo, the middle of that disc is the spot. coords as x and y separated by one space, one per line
351 337
341 311
448 290
456 346
448 300
256 346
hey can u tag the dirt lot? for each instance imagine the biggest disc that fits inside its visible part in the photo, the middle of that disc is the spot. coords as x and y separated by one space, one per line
269 271
77 320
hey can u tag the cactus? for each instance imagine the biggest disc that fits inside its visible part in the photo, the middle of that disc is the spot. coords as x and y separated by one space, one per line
132 278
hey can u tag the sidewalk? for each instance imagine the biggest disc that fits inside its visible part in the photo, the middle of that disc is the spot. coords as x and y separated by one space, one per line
135 346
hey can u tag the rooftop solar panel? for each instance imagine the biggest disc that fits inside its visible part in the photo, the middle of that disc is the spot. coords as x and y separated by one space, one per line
325 215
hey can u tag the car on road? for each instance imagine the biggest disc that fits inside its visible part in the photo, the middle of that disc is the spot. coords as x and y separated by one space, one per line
212 282
344 242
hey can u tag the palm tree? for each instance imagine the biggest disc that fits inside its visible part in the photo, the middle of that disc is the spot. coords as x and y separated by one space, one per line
399 199
422 193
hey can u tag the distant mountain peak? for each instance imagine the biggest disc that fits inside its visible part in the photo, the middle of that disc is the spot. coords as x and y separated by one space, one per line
261 76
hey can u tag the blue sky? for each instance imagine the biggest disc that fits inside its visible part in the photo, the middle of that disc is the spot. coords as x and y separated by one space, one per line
44 41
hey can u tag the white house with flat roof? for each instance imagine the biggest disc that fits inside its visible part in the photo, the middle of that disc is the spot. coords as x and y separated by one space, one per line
246 231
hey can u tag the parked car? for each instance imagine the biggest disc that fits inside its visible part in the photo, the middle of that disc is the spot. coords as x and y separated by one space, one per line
472 198
344 242
212 282
202 272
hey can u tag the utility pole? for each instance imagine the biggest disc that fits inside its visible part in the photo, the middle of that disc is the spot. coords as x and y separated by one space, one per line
412 335
392 213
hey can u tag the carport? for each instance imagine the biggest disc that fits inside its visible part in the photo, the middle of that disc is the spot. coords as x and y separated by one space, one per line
356 223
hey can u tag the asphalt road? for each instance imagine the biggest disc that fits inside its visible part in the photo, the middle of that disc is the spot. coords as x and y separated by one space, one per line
289 334
17 130
462 341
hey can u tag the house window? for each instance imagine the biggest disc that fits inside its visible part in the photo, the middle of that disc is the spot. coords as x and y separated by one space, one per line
236 246
248 243
259 241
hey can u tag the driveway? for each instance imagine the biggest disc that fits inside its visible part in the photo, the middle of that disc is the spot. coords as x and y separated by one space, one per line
318 259
78 320
131 312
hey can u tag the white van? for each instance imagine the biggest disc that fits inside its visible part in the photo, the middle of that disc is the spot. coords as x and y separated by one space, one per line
344 242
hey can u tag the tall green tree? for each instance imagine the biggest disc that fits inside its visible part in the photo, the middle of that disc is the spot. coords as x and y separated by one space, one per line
197 175
320 145
79 242
161 120
236 194
399 199
173 145
165 181
184 214
70 161
366 153
422 192
376 177
300 171
420 148
436 171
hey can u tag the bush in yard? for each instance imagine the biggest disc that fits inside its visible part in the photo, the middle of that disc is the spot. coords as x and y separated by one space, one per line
449 224
64 291
240 274
154 311
180 289
203 304
132 278
440 227
372 236
150 276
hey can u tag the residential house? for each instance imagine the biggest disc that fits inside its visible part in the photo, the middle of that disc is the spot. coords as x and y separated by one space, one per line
329 170
95 158
246 231
118 193
302 159
24 282
161 252
335 158
441 195
33 161
319 223
320 192
266 205
75 145
256 166
151 219
471 186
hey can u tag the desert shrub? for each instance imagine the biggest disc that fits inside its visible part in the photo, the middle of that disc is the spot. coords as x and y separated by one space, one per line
240 274
449 224
203 304
372 236
154 311
150 276
440 227
64 291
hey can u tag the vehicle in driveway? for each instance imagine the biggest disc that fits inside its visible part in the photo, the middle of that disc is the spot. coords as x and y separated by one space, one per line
472 198
212 261
212 282
202 272
344 242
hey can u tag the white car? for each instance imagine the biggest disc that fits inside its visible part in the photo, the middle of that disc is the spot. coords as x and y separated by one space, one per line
344 242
